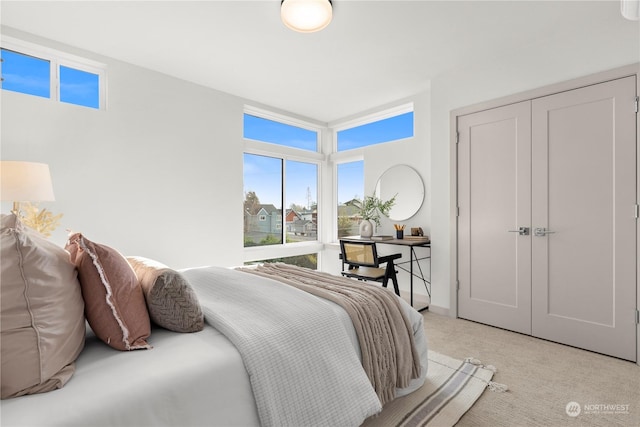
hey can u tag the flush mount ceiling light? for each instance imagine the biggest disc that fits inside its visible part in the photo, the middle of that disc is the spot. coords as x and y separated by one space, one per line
306 16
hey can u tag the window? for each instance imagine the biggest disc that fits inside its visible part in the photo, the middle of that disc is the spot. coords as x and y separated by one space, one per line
350 140
262 199
265 130
270 181
38 71
376 132
79 87
25 74
280 180
350 185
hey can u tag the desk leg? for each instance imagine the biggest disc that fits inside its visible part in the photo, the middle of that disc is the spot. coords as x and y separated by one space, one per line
411 258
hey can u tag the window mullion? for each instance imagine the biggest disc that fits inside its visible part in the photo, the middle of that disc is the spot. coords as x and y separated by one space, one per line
283 192
54 76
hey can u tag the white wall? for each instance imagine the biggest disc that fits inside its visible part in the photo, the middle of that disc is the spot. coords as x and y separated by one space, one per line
159 173
554 58
156 174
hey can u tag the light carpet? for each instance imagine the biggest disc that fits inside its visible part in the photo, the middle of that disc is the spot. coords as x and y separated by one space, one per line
452 386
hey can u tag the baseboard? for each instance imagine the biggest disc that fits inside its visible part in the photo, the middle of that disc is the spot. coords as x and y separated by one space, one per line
439 310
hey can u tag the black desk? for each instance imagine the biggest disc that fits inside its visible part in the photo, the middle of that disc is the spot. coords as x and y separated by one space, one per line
413 257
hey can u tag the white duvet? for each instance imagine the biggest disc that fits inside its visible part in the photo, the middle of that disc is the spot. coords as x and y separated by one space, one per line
185 380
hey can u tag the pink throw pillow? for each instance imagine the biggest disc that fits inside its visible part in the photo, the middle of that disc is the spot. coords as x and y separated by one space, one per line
114 302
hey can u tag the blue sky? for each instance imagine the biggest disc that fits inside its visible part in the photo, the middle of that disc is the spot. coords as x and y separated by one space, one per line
264 174
31 75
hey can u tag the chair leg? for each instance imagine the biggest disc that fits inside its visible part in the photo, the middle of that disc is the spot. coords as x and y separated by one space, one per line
390 273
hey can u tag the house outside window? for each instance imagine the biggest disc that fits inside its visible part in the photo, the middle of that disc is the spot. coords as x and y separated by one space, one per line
281 175
351 138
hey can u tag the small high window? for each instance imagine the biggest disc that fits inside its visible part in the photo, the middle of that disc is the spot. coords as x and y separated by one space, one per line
79 87
376 132
26 74
265 130
38 71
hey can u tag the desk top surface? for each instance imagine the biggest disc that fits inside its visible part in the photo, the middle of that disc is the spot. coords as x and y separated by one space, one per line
405 242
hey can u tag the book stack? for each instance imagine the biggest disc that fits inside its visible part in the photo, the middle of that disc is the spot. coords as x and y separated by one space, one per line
382 237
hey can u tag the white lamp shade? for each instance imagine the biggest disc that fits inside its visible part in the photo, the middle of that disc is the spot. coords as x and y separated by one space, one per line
306 16
630 9
25 182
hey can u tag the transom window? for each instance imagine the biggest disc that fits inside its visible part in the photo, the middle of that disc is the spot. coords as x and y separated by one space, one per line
395 127
38 71
265 130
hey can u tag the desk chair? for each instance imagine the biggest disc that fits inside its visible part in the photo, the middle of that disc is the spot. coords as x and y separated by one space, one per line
365 264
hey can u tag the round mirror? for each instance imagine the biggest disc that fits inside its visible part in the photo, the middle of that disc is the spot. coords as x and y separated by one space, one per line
405 183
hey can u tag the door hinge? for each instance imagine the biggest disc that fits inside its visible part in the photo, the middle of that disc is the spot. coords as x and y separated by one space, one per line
458 133
637 211
457 284
457 211
637 317
637 102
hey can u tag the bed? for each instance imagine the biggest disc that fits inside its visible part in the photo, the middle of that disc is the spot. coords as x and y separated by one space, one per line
210 377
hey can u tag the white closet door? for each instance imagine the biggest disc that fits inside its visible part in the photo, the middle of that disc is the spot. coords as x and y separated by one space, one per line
583 197
494 198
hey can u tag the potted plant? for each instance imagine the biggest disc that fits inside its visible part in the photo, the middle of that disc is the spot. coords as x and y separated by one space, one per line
370 209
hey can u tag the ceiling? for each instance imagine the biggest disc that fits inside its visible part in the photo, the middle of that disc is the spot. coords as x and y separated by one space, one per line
373 52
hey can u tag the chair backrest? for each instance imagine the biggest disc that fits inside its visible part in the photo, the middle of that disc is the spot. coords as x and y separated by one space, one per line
362 254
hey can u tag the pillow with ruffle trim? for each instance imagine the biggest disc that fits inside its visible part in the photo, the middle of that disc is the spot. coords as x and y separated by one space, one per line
114 303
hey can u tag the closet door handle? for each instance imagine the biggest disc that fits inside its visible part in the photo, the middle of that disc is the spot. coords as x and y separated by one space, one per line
523 231
541 231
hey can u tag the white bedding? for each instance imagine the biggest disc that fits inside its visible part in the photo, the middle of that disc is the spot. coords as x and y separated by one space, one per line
185 380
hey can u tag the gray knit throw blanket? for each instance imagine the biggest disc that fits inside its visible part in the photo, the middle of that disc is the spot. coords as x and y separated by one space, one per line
389 356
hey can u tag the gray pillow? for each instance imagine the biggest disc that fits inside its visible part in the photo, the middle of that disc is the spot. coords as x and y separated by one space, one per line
171 301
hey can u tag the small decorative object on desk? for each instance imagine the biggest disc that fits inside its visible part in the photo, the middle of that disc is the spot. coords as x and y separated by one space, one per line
381 237
370 210
399 231
417 231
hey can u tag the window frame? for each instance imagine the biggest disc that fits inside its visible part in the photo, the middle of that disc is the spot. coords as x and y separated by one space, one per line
358 154
56 59
285 153
371 118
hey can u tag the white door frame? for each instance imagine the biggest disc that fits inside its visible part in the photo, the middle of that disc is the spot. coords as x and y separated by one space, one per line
629 70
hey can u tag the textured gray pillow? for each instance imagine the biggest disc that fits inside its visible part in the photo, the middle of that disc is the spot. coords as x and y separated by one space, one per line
171 301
